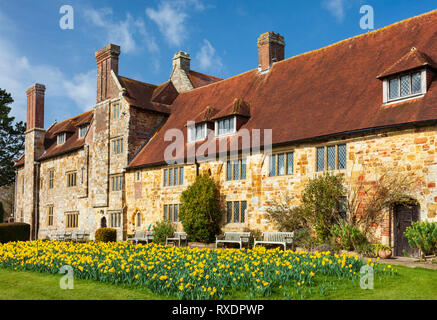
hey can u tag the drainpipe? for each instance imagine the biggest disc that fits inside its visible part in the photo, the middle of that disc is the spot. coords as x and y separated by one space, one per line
15 197
36 198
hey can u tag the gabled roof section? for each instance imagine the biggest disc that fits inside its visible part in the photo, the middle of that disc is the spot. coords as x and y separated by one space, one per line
237 108
412 60
198 79
139 94
326 92
72 142
165 93
206 115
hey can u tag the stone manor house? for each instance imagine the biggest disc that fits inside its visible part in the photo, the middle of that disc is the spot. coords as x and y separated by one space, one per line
370 100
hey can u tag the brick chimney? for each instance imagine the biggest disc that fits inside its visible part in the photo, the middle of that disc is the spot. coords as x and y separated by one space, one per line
270 50
181 68
35 107
107 60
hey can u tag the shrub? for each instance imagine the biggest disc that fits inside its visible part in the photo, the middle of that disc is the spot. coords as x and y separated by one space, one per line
303 239
287 217
106 235
162 230
347 237
200 210
2 213
423 235
10 232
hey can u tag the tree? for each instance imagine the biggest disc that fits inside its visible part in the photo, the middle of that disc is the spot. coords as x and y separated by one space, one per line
11 139
200 210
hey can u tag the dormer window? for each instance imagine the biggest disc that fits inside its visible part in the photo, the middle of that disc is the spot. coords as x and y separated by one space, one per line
225 127
405 86
197 132
83 131
61 138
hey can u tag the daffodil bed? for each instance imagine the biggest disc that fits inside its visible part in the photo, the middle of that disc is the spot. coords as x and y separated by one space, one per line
188 273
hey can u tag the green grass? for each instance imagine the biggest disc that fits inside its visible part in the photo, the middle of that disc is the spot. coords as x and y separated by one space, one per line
408 284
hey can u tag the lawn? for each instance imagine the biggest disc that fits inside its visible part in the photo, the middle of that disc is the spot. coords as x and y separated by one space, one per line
16 285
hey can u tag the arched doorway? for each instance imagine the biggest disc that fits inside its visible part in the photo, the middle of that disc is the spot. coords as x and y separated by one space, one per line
403 216
103 223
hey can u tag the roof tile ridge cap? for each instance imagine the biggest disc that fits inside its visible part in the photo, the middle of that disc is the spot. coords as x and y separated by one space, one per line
421 16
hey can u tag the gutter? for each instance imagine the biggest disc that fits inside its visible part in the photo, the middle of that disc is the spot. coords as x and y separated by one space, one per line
311 139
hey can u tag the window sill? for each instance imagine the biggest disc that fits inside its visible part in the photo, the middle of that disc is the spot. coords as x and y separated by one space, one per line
402 99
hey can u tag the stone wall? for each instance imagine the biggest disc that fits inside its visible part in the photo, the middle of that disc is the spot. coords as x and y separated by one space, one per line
7 200
411 151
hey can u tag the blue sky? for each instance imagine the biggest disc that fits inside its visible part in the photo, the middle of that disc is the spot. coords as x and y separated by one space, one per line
220 35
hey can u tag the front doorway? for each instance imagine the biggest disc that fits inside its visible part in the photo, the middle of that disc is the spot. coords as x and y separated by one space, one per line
403 217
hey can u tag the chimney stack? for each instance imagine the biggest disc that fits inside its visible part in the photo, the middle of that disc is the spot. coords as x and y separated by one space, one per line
35 107
270 50
182 60
107 61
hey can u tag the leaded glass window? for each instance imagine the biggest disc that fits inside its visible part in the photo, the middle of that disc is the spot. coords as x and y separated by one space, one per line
290 163
236 212
236 170
405 86
243 211
320 158
331 158
176 176
281 164
229 211
273 165
165 212
243 169
341 156
416 83
170 177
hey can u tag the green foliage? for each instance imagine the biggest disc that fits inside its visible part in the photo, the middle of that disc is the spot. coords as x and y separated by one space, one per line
162 230
303 239
320 202
10 232
11 139
106 235
347 237
287 217
200 210
423 235
2 213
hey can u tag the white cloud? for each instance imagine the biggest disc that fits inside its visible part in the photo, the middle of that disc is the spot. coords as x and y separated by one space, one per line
123 33
171 17
17 73
207 58
170 22
336 8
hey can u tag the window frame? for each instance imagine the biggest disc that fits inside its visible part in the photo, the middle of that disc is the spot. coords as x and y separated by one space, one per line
116 183
72 220
116 111
170 210
115 219
176 181
117 145
50 215
71 179
61 138
83 130
387 88
231 131
276 156
230 165
194 128
242 214
325 158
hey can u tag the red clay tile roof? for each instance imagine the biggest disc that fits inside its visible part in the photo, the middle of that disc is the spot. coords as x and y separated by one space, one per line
412 60
198 79
139 94
328 91
238 107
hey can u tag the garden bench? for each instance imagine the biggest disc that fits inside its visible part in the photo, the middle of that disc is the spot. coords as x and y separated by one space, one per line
177 237
234 237
281 238
80 236
143 236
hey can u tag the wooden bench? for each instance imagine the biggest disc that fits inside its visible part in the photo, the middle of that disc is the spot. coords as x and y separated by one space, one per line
234 237
178 237
281 238
80 236
141 236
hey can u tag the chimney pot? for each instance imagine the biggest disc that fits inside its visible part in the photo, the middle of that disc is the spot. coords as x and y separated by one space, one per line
35 106
270 49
